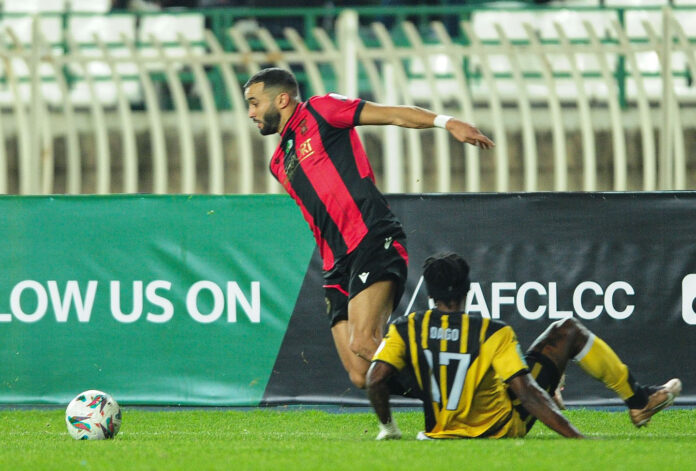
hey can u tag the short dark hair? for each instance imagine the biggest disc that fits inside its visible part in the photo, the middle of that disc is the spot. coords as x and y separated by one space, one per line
446 277
275 77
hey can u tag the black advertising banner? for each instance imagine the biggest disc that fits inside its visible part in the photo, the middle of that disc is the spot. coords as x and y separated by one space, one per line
624 264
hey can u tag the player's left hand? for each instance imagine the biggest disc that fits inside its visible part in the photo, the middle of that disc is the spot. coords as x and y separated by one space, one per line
468 133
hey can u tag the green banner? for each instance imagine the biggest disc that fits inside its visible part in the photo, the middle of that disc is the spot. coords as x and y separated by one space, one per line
154 299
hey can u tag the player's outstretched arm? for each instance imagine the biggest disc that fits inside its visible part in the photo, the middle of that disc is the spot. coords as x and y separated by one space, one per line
420 118
541 406
378 392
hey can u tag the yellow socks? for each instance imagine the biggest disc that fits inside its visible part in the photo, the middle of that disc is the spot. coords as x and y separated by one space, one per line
599 361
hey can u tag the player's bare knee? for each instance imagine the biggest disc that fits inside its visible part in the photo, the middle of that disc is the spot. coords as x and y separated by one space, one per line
565 327
571 331
358 379
363 349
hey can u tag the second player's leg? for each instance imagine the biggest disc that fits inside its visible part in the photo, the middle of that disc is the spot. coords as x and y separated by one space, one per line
568 339
562 341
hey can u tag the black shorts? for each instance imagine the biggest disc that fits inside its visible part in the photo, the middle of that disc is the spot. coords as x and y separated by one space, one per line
377 258
546 374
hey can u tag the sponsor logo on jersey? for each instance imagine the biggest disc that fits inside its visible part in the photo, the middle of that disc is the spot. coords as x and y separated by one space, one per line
305 149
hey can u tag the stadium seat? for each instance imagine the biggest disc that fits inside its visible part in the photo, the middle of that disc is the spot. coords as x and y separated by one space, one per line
484 22
110 29
90 6
575 3
649 62
635 3
543 23
167 28
573 26
34 6
635 19
512 22
572 23
21 28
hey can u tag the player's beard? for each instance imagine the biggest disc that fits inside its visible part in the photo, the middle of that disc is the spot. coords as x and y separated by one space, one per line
271 121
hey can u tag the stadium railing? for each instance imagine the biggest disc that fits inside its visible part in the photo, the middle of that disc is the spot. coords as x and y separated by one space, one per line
584 74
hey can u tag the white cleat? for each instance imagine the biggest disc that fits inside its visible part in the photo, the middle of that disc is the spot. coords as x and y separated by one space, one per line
388 431
660 399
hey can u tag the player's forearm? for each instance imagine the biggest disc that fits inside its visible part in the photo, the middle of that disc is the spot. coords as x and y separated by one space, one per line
539 404
419 118
404 116
414 117
378 393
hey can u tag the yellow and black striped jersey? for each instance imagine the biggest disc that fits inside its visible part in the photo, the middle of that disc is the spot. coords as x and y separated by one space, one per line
460 363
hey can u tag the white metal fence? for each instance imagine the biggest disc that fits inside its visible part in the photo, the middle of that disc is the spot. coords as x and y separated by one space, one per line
575 99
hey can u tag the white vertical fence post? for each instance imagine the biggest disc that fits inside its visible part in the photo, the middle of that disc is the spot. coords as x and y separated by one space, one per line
531 167
617 128
463 95
560 157
243 129
647 134
413 136
347 26
666 134
502 161
35 130
392 146
589 159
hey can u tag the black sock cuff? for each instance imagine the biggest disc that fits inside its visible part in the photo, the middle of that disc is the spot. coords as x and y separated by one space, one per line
640 396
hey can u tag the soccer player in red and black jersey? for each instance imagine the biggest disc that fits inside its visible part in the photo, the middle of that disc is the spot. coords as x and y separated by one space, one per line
321 163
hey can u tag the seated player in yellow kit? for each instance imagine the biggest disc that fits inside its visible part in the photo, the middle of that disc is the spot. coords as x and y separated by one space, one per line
472 377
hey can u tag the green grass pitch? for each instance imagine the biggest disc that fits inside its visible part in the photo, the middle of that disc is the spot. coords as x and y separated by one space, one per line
301 439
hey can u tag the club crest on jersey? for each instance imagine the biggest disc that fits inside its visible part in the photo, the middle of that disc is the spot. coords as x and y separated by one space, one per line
303 127
290 162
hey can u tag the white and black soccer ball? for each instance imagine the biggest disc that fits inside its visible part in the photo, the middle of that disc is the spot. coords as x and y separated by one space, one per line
93 415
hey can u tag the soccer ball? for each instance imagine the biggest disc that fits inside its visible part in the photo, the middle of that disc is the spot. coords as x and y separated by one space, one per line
93 415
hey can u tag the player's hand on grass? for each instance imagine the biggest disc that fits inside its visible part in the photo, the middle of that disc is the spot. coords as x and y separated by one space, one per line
388 431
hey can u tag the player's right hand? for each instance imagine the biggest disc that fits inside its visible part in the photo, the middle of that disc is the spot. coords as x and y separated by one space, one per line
469 134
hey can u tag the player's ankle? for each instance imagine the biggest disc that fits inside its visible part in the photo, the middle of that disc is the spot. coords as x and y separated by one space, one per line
639 400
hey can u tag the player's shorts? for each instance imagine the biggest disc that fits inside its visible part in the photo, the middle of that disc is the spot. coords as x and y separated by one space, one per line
377 258
546 374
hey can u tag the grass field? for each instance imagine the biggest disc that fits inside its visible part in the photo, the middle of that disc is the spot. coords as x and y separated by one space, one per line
291 439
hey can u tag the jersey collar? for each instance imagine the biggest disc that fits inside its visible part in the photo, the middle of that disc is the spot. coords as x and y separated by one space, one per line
293 116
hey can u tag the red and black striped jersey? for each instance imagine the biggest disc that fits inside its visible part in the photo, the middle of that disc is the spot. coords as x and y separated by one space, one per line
322 164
